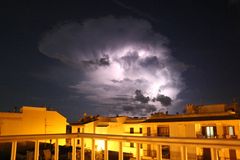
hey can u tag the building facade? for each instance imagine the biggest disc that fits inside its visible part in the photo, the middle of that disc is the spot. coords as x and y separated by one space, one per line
207 132
206 122
32 120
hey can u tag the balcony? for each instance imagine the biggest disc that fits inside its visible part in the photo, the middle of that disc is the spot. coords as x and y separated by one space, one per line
156 135
163 135
230 136
206 136
164 143
217 136
150 153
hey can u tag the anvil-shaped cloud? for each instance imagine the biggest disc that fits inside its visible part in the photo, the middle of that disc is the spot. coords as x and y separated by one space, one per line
119 59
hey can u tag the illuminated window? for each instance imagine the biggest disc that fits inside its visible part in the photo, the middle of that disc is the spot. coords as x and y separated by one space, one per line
140 130
209 131
228 130
131 130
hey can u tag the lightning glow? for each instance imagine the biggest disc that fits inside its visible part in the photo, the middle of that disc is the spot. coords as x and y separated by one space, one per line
116 60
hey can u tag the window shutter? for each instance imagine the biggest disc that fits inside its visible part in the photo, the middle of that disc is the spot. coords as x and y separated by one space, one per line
215 130
204 131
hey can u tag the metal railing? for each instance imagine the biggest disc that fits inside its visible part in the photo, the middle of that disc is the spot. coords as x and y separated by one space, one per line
127 138
160 141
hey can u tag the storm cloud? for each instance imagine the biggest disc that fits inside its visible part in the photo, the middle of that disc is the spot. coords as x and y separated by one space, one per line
140 97
122 63
164 100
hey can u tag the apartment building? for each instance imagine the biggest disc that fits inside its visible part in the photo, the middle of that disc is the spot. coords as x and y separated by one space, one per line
120 125
205 122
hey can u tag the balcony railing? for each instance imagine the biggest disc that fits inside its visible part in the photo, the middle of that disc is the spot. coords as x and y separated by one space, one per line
218 137
224 158
150 153
181 142
156 135
230 136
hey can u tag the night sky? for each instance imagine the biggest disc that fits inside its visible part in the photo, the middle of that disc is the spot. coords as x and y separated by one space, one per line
118 56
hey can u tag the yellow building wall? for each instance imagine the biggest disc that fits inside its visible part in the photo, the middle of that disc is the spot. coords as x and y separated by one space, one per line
32 120
89 127
102 130
175 152
115 128
9 126
190 130
136 128
75 128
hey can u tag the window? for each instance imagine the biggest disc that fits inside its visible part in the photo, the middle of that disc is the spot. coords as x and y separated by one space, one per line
148 131
163 131
140 130
148 150
206 153
78 130
78 141
131 145
228 131
209 131
131 130
166 151
68 129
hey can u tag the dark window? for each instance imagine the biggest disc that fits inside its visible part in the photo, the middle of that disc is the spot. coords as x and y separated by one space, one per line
78 141
68 129
232 153
140 130
206 154
148 131
131 130
163 131
166 151
131 145
78 130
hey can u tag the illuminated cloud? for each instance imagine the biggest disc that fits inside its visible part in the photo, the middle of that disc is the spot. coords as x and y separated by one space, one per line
116 58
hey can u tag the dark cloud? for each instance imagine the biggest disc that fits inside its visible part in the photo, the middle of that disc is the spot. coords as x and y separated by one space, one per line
73 43
140 97
164 100
104 61
139 109
115 81
151 61
122 98
129 59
